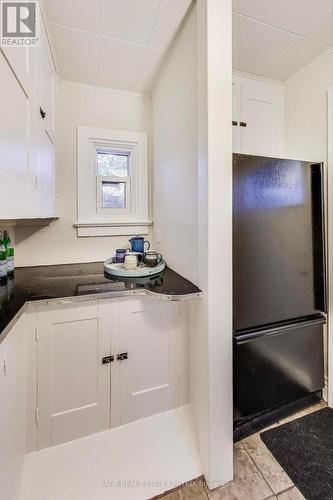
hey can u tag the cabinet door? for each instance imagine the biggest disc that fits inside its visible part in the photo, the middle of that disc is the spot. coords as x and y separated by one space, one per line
236 118
262 113
148 378
46 174
21 62
46 90
73 383
15 182
12 411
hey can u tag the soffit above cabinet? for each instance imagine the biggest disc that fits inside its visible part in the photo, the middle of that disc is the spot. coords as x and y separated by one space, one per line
113 43
277 38
28 221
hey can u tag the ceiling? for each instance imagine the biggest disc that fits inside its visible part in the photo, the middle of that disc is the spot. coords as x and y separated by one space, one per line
113 43
121 43
276 38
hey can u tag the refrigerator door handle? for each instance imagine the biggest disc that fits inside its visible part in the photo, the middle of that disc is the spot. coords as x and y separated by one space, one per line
243 338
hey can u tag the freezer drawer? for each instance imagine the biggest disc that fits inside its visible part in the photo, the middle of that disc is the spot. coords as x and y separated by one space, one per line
277 365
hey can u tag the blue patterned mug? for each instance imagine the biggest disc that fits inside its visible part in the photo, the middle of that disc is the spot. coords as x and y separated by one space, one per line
120 255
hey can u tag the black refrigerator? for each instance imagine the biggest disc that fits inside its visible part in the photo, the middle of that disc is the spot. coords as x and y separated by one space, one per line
278 284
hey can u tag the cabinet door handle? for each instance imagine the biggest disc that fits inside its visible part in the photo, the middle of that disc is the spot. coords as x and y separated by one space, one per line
42 112
107 359
121 356
242 124
234 123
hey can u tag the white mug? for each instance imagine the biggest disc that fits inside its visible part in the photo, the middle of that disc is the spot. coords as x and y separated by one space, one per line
131 261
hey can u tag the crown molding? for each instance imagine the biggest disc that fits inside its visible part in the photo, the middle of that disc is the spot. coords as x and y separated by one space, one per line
260 78
311 63
99 88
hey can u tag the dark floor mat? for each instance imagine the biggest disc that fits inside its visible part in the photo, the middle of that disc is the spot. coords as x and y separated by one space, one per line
304 448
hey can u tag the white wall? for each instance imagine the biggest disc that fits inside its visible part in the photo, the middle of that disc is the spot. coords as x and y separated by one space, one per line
193 212
175 154
79 105
211 320
306 111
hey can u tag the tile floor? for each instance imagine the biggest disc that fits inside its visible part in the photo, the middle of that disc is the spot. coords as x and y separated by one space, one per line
257 475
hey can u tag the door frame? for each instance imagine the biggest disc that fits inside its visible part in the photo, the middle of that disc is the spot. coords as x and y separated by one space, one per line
330 246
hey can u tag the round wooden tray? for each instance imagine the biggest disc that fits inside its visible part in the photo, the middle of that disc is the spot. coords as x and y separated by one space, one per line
141 271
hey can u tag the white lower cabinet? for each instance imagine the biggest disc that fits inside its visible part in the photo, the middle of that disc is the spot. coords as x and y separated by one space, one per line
148 377
107 363
12 414
73 384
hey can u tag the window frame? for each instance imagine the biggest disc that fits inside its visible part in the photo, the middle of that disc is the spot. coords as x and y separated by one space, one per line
93 220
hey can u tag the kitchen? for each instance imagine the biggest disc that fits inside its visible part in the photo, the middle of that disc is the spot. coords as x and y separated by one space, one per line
139 80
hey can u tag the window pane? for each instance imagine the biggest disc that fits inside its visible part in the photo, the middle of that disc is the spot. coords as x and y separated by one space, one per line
112 164
113 194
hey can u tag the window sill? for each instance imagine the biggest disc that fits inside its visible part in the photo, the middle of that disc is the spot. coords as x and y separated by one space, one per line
90 229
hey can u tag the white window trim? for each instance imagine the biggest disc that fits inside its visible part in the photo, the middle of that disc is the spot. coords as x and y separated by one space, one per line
111 222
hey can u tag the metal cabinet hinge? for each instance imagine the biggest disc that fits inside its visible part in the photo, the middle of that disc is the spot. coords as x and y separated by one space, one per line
107 359
5 367
37 333
121 356
37 415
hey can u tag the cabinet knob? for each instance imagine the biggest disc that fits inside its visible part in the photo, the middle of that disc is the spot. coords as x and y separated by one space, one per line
234 123
122 356
42 112
242 124
107 359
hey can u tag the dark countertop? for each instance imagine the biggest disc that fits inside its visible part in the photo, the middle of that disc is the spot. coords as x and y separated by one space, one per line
79 280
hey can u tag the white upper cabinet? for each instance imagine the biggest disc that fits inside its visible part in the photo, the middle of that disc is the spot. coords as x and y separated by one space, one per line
46 84
258 117
22 61
27 88
236 117
15 179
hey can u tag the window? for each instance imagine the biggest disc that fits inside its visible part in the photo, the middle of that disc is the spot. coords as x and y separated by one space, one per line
113 163
113 194
113 170
112 182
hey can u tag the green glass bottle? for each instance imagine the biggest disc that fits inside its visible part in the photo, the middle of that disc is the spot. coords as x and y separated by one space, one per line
3 261
9 252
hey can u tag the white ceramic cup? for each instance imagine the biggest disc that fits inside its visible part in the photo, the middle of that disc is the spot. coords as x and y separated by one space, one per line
131 261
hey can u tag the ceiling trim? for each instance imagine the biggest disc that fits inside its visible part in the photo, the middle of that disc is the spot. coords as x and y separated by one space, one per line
102 35
99 88
311 63
259 78
281 29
